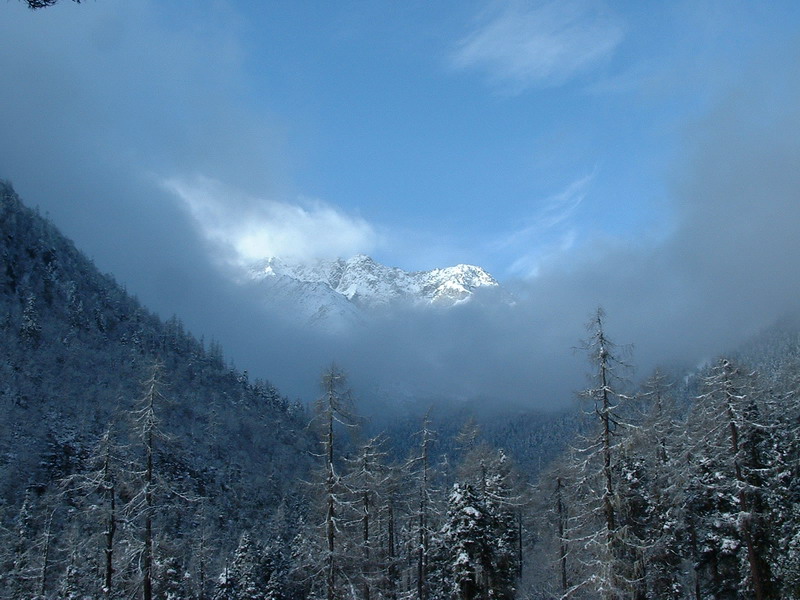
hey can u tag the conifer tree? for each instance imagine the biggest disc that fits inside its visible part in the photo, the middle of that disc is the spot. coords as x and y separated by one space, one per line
503 503
463 546
365 483
97 488
652 475
728 492
144 503
30 329
248 575
607 571
332 410
422 517
21 570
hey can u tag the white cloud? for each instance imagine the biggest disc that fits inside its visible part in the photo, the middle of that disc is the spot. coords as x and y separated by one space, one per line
247 229
545 44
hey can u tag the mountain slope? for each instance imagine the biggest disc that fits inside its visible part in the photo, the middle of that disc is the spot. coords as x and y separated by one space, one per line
76 349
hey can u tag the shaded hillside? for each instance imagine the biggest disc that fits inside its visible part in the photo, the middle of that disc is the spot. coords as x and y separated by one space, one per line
76 350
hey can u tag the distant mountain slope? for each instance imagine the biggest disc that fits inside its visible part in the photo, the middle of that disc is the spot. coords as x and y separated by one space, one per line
341 291
75 351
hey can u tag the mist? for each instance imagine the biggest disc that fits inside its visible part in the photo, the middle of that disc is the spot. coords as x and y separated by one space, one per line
726 267
93 126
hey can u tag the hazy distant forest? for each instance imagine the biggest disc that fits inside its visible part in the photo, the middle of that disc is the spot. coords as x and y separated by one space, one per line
136 463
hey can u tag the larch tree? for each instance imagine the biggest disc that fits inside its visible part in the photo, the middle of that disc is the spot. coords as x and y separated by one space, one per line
144 503
552 506
332 411
607 572
365 483
97 487
420 467
392 501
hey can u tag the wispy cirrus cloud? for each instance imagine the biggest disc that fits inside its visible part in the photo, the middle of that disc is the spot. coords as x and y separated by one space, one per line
549 230
246 229
523 45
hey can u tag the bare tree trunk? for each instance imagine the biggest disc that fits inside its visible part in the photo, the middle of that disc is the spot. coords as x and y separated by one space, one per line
111 525
695 556
562 550
390 552
45 557
423 541
365 539
147 586
148 417
330 484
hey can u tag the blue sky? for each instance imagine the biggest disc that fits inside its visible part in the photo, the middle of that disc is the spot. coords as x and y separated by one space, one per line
493 133
638 155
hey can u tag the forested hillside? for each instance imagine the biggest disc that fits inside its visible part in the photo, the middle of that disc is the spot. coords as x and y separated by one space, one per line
134 463
75 362
684 489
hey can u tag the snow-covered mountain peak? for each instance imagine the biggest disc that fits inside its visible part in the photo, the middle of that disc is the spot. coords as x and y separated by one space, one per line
320 288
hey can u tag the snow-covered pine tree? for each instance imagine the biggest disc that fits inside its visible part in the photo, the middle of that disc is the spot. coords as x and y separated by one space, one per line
247 575
30 330
784 484
651 479
20 572
170 579
462 546
71 581
728 492
492 476
504 502
476 551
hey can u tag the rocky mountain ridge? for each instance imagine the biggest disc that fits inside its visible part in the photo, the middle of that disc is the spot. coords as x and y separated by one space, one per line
342 290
